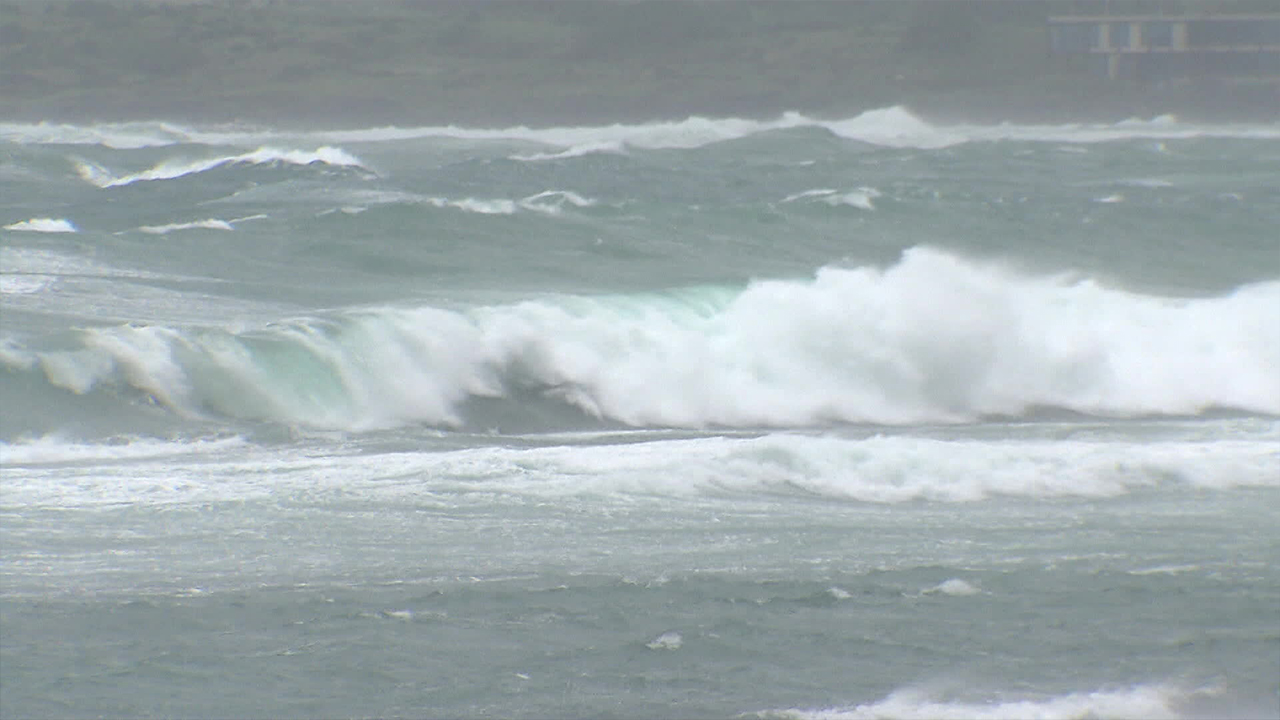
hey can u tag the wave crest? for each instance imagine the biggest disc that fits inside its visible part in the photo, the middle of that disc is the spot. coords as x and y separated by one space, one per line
1156 702
43 225
934 338
177 168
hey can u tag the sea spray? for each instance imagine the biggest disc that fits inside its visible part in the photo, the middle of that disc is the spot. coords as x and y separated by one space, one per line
932 338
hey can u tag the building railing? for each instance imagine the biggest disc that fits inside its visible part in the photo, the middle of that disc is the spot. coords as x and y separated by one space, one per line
1117 37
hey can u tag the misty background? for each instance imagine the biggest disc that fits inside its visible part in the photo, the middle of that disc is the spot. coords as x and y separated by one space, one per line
328 62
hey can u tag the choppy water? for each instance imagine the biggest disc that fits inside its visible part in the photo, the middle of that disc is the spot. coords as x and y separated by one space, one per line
798 418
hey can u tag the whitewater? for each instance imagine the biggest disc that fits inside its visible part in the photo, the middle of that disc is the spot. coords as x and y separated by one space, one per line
866 417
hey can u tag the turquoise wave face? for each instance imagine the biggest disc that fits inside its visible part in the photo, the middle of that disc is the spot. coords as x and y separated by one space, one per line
933 338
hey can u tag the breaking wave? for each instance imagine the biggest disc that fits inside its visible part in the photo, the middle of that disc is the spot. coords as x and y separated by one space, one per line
172 169
1150 702
548 202
44 225
933 338
210 224
861 198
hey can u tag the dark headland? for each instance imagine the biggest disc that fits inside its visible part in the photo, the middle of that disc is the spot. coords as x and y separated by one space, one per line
539 62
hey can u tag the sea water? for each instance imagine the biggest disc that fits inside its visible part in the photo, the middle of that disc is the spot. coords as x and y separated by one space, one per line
793 418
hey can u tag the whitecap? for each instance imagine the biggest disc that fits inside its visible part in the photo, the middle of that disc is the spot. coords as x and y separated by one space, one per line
43 225
178 167
1151 702
209 224
552 202
666 641
954 587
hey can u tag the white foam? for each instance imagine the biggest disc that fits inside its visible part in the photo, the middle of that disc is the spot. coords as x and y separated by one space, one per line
934 338
609 147
52 450
1166 570
549 202
878 470
805 194
954 587
895 127
43 225
552 202
176 168
474 205
666 641
890 126
1151 183
1148 702
860 198
887 469
209 224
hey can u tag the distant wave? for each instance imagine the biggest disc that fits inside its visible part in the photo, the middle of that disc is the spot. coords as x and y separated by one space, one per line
120 136
860 198
208 224
890 126
43 225
177 168
611 147
934 338
1151 702
550 202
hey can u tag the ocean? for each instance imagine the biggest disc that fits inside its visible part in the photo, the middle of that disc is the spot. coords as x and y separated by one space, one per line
870 417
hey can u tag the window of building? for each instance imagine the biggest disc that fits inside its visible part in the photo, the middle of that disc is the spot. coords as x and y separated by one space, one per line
1159 34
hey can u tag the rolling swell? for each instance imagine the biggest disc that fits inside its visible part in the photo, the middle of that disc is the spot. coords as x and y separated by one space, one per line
182 167
932 338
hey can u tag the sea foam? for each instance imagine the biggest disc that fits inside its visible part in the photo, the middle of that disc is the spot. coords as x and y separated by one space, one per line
1150 702
933 338
882 470
53 450
43 225
209 224
894 126
177 168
